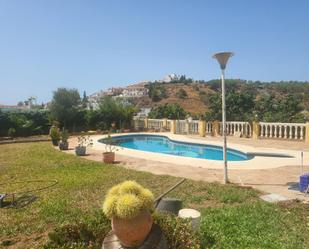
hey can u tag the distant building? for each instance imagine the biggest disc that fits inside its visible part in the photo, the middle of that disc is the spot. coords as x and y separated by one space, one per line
134 91
168 78
144 111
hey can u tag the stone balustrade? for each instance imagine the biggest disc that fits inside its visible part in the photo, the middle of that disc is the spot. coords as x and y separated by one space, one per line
193 127
181 127
255 130
237 127
290 131
208 128
155 124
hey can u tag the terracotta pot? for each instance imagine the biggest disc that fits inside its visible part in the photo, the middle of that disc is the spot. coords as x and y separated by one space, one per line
132 232
109 157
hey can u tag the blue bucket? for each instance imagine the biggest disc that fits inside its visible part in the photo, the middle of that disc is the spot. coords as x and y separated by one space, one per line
303 182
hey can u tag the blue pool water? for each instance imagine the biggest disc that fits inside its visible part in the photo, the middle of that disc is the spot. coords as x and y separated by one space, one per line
162 144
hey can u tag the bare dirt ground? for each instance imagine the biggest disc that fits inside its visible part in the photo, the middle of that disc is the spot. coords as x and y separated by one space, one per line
282 181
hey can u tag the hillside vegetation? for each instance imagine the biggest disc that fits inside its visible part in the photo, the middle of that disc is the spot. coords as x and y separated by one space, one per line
271 101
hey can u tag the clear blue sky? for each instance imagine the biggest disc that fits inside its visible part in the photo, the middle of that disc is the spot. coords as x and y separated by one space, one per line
92 45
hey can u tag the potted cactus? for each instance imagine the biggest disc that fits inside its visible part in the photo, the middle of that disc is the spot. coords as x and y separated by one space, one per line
55 135
82 143
110 148
64 144
130 208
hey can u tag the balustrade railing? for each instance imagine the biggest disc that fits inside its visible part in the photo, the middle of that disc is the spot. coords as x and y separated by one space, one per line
139 123
156 124
193 127
290 131
208 127
181 127
168 124
233 127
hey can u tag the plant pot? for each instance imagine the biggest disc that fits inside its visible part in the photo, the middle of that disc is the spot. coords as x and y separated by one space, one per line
63 145
80 150
132 232
55 142
108 157
169 205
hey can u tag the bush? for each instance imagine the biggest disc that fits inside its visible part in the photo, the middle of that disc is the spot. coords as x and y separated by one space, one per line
170 111
64 135
178 232
90 233
25 123
54 133
12 132
182 94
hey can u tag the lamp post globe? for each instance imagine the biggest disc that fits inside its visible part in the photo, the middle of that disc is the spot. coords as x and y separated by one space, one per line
223 58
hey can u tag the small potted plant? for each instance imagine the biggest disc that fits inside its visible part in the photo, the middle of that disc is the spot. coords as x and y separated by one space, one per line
82 143
55 135
130 207
109 153
64 135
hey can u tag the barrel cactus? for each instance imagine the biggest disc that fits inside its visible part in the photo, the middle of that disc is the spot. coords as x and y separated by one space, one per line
126 200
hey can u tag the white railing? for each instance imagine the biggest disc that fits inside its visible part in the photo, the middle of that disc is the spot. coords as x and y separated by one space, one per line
234 127
156 124
208 127
282 130
289 131
139 123
168 124
181 127
193 127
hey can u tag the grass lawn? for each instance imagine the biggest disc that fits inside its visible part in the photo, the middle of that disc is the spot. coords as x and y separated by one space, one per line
232 217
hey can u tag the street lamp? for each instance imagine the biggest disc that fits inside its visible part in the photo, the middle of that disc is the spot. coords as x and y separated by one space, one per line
222 58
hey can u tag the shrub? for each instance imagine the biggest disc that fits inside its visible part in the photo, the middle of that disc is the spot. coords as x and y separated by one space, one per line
64 135
90 232
182 94
54 133
170 111
178 232
12 132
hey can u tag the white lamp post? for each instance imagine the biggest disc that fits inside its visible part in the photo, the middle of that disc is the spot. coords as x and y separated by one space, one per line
222 58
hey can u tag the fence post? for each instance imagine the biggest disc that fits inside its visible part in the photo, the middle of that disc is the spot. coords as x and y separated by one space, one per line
173 126
164 123
215 128
134 124
307 133
202 128
187 127
255 130
146 123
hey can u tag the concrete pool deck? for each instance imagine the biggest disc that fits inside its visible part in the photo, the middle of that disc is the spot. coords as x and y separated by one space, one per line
268 174
258 162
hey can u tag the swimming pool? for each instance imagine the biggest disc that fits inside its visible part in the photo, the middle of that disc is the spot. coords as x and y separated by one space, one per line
162 144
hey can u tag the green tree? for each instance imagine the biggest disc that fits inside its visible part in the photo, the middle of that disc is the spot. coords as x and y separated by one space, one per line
156 91
170 111
112 111
182 94
64 106
84 100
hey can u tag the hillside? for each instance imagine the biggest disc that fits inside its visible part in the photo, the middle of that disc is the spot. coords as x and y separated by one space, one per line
194 97
191 103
